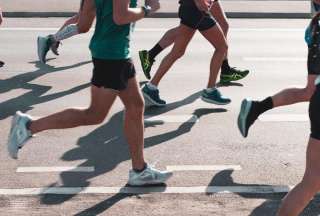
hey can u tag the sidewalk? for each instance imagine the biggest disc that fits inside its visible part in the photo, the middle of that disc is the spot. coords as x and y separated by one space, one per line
234 8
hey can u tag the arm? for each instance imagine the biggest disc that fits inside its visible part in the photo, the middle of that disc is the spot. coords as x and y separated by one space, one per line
1 17
122 14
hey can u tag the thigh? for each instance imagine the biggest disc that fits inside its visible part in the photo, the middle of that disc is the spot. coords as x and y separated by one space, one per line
218 13
101 100
215 36
87 14
183 36
131 96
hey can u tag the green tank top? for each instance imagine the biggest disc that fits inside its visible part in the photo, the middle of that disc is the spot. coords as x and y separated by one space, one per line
110 41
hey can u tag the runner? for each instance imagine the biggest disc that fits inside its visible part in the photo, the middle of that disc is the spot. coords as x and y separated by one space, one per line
194 15
1 20
228 73
299 197
250 110
78 24
113 76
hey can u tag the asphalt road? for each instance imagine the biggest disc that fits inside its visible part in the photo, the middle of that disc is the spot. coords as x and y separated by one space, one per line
271 157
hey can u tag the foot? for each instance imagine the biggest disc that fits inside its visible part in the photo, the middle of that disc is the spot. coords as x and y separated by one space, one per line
146 63
150 176
54 46
233 74
152 97
19 133
1 63
215 97
247 116
44 44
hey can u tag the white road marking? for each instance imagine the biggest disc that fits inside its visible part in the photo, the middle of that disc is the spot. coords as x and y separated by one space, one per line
147 190
284 118
54 169
275 59
158 29
171 119
203 167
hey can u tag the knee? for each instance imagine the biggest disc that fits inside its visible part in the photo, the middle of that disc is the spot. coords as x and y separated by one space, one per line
136 109
94 117
177 53
225 28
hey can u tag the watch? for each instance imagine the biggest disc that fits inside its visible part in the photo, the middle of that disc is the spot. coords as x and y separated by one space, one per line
146 9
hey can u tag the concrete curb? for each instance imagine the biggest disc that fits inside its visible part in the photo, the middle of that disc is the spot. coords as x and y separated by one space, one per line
254 15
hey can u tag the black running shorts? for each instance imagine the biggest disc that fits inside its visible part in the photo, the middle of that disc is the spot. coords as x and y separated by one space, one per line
192 17
314 114
112 74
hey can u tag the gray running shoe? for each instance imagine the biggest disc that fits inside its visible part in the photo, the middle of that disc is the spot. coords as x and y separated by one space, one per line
19 134
150 176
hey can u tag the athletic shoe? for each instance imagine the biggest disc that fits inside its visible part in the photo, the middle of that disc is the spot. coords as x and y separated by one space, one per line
233 74
215 97
19 134
150 176
152 97
247 116
146 63
317 82
44 44
55 45
1 63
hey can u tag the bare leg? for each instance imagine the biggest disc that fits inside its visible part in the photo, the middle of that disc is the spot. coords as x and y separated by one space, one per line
299 197
295 95
101 101
185 34
215 36
168 38
134 122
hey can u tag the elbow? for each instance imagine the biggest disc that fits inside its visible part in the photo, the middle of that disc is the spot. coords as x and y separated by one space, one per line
119 20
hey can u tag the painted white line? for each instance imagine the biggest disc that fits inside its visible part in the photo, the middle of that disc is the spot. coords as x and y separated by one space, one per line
275 59
284 118
203 167
171 119
147 190
54 169
158 29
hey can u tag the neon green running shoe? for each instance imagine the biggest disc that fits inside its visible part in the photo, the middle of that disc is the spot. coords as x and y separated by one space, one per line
146 63
233 74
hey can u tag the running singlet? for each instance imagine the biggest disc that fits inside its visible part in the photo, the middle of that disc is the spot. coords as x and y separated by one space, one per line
187 2
110 41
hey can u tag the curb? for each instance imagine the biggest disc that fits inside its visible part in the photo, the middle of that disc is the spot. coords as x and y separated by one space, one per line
254 15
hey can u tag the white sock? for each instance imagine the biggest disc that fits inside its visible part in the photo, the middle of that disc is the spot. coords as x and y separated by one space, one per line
151 86
66 32
209 90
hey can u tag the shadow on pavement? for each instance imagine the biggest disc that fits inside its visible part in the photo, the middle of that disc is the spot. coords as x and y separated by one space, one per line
106 147
267 208
25 102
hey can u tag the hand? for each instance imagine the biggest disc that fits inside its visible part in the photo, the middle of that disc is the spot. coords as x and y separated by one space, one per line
203 5
154 4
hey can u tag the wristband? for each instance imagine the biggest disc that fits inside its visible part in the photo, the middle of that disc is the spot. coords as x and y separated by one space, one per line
146 9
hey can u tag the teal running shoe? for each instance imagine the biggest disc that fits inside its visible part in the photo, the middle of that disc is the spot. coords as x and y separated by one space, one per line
146 63
215 97
44 44
152 97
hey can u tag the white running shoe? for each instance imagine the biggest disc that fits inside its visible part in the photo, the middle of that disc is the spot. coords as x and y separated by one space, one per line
43 44
19 134
150 176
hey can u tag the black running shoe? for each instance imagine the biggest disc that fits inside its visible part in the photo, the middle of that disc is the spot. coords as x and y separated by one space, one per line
1 63
247 116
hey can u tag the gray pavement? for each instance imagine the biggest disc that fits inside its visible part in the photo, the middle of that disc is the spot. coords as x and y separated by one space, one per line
272 155
234 8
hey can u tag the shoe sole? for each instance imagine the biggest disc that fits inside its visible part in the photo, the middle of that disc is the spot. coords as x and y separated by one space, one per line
213 102
232 80
40 50
12 149
155 183
243 115
151 102
141 62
